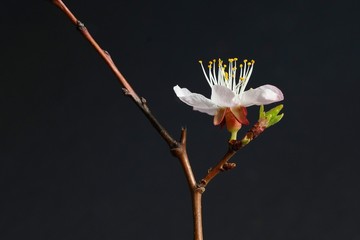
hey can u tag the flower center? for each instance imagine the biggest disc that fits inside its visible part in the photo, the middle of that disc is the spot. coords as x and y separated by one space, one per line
226 75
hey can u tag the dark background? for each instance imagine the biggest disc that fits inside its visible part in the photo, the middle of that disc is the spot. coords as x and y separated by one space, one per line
78 160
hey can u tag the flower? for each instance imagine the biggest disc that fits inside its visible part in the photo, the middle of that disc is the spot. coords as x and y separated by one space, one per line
229 99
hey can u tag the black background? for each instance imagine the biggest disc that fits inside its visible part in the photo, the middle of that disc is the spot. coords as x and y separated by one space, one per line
80 161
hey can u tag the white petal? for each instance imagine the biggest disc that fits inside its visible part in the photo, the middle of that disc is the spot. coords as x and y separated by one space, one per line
222 96
197 101
265 94
210 111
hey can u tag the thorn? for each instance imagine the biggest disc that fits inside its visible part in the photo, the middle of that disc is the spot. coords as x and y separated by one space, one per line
143 100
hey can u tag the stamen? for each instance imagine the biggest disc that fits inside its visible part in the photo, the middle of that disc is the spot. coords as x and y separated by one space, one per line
225 75
202 66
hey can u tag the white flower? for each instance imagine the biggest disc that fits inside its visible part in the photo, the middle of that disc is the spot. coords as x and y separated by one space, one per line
229 99
228 91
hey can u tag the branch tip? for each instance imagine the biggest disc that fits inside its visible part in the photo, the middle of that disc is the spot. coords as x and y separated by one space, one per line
183 136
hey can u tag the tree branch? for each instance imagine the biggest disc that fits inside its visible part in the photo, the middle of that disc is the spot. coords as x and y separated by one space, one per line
234 146
128 90
178 149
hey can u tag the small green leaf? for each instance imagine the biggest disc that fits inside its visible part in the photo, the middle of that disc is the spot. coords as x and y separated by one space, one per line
275 119
270 117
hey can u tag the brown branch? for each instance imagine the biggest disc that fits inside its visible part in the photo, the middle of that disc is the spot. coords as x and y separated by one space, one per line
140 102
197 214
181 153
178 149
196 191
234 146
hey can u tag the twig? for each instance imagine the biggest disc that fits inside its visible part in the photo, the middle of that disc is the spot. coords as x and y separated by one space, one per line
128 90
234 146
177 148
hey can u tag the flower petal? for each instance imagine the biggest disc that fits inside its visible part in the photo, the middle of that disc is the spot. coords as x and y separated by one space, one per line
265 94
222 96
240 114
197 101
219 116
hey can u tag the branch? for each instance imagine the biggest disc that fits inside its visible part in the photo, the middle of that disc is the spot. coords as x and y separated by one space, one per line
128 90
178 149
234 146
